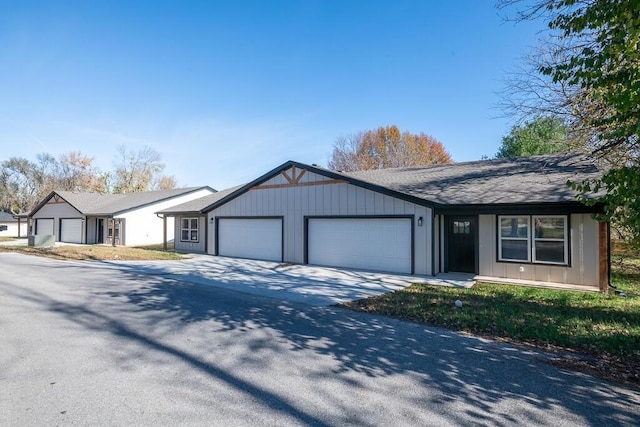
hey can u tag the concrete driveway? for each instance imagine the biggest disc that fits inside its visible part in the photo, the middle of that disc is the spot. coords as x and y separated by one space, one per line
318 286
109 344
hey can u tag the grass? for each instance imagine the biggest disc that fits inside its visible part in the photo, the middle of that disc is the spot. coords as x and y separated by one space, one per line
97 252
7 238
597 324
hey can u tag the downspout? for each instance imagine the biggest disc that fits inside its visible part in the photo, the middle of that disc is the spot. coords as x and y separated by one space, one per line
611 285
164 231
433 242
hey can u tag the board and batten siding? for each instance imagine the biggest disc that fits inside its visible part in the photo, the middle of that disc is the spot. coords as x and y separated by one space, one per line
56 209
198 246
583 252
294 202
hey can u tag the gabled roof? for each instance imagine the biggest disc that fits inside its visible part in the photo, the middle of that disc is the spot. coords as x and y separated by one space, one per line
197 205
7 217
113 204
536 180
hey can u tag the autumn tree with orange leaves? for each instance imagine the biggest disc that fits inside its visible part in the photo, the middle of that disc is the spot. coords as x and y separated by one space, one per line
386 147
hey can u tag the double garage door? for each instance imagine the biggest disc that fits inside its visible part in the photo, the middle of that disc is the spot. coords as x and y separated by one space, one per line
254 238
382 244
70 229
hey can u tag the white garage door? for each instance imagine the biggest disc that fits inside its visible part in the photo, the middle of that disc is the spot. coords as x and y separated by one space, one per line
371 243
44 226
71 230
255 238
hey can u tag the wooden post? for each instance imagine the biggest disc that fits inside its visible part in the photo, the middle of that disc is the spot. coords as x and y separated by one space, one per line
164 233
113 232
19 225
603 255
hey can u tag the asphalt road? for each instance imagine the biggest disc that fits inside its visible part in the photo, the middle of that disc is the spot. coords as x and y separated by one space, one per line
88 345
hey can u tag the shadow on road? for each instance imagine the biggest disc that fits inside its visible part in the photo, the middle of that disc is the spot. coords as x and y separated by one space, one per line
480 374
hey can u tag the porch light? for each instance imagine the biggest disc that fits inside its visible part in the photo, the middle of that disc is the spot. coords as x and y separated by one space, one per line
419 221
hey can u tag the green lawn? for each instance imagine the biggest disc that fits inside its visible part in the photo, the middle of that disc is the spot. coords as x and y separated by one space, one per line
605 325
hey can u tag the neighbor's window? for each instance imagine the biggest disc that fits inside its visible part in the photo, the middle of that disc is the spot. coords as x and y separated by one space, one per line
514 238
189 231
550 243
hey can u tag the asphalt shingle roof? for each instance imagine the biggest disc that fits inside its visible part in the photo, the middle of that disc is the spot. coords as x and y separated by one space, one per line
109 204
198 205
536 179
7 217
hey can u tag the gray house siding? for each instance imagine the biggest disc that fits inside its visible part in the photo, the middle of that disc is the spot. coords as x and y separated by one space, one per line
193 247
583 252
315 195
56 209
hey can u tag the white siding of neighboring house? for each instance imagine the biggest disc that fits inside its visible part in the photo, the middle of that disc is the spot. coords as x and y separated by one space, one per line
143 227
57 210
12 229
583 252
332 199
199 246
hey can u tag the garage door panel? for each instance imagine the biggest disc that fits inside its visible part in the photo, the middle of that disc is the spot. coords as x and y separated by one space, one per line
44 226
255 238
373 244
71 230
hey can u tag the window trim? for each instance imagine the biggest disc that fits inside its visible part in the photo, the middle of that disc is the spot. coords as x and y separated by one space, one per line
565 240
190 230
531 239
520 239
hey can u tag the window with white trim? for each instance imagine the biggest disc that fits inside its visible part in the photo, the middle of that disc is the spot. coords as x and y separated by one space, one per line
189 230
541 239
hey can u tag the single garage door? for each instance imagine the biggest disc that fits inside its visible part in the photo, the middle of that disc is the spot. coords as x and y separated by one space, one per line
254 238
71 230
382 244
44 226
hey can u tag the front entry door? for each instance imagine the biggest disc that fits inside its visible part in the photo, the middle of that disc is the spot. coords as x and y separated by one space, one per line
461 243
100 228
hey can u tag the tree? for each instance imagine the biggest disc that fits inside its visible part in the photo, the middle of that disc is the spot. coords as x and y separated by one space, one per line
386 147
23 182
76 172
594 53
165 182
136 171
543 135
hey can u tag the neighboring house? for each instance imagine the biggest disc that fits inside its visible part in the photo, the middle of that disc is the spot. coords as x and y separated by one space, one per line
502 220
10 226
191 223
119 219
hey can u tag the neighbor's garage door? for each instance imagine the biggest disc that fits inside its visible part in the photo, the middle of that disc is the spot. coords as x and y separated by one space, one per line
44 226
255 238
382 244
71 230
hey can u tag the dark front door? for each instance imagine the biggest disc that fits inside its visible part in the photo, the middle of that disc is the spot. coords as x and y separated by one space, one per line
461 243
100 230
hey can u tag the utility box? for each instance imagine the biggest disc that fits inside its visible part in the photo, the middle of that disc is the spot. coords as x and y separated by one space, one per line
41 240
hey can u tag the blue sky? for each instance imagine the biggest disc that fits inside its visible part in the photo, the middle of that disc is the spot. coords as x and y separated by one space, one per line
227 90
